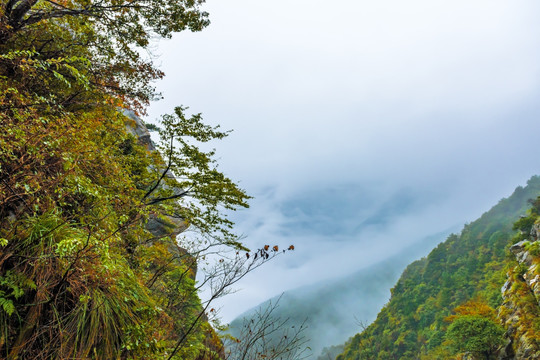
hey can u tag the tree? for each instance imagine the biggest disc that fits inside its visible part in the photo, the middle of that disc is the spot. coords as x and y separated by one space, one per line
195 177
81 273
130 19
81 45
477 335
474 307
264 336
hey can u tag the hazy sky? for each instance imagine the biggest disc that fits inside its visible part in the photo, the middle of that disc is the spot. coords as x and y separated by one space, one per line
360 126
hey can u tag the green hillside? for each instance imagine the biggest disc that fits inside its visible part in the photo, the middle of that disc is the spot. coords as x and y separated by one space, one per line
90 265
469 268
332 310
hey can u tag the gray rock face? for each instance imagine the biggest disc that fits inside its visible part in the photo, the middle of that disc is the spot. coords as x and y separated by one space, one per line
522 255
138 129
163 224
535 232
507 351
522 287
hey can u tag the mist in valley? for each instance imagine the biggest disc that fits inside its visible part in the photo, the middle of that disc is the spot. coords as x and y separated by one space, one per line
333 310
361 129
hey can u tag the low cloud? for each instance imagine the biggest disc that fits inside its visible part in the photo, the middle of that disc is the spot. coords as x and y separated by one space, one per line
360 127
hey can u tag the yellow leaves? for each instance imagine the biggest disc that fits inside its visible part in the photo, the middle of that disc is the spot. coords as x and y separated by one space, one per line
62 146
474 307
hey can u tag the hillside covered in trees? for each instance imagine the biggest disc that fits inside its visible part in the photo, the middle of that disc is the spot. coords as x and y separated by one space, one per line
449 305
333 310
90 266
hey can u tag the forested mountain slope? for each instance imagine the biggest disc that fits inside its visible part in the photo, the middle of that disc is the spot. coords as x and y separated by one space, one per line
335 309
460 279
90 266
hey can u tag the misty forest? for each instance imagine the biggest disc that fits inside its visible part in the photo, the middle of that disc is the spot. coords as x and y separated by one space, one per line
379 197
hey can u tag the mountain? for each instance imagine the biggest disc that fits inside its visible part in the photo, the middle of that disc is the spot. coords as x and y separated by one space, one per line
334 310
440 299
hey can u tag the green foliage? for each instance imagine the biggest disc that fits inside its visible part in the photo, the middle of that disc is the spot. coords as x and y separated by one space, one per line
105 35
524 224
151 127
197 176
78 261
534 249
467 266
81 275
476 335
520 312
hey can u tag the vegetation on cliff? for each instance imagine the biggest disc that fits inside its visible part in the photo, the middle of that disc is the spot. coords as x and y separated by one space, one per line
89 262
332 310
520 310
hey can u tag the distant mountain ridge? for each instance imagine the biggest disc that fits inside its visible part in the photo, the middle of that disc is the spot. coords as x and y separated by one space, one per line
467 267
337 308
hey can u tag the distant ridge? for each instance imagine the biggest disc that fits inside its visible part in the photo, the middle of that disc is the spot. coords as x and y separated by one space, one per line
334 308
465 267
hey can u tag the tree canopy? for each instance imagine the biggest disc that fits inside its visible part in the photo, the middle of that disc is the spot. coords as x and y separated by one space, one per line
84 45
462 276
475 334
83 271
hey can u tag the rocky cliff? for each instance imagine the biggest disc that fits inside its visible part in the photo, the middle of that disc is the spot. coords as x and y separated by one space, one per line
468 268
520 311
168 225
162 224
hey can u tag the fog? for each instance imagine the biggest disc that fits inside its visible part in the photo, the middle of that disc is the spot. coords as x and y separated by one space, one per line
360 127
332 311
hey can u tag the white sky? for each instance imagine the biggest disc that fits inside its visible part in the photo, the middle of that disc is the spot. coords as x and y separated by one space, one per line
360 126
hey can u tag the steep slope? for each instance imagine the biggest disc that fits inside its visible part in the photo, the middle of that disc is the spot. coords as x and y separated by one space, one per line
90 267
85 273
520 310
334 310
465 267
